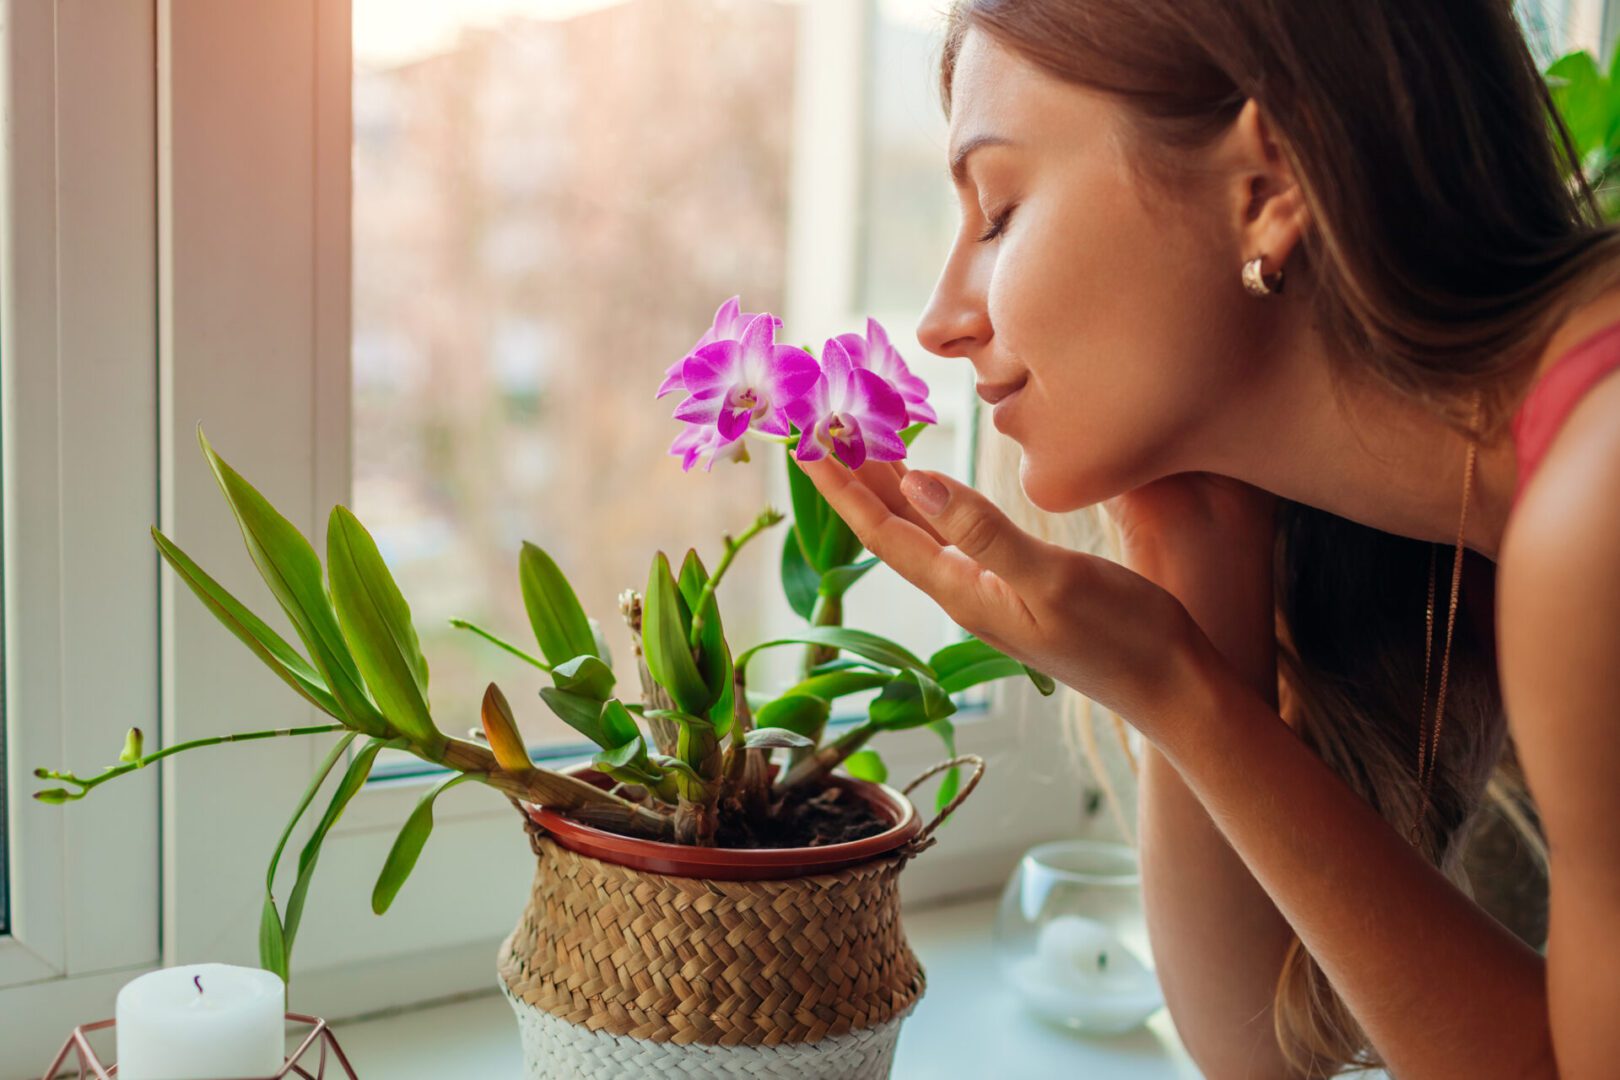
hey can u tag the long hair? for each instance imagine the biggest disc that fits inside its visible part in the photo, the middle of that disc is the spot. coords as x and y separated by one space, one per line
1450 232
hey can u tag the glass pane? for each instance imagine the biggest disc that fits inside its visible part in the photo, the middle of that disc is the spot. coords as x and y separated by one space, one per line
550 199
910 208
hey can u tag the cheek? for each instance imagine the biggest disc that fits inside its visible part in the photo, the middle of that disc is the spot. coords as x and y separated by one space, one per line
1115 309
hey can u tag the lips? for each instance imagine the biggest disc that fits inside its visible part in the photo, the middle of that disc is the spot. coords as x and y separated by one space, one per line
994 392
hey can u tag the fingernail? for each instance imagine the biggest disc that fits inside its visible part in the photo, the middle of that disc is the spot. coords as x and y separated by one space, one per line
925 493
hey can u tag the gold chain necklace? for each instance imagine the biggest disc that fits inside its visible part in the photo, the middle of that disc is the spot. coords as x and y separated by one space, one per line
1429 742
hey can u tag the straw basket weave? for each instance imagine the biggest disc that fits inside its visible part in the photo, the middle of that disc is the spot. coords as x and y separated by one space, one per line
619 972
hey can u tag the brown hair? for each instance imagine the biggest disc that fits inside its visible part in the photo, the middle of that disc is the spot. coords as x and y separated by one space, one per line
1450 233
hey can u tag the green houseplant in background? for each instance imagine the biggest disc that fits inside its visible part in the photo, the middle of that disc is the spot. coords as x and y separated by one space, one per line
1588 100
710 810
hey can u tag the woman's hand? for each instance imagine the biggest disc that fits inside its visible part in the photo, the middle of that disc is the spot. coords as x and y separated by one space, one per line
1108 632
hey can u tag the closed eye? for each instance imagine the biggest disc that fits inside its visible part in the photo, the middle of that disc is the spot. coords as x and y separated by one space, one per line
998 225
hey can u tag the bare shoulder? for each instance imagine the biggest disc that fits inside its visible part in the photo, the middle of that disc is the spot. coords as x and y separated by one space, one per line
1558 629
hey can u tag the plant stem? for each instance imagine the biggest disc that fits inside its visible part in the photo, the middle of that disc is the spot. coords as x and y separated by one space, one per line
463 624
768 517
827 758
86 784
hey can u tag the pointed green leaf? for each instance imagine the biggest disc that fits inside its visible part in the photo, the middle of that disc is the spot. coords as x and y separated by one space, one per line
909 433
665 628
618 727
269 646
911 699
354 778
810 513
971 662
274 949
376 623
800 713
837 581
413 836
837 684
578 711
713 654
800 582
1043 682
559 623
952 782
585 675
291 569
861 643
866 765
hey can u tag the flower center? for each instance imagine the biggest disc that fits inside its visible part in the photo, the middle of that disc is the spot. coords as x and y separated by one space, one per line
836 426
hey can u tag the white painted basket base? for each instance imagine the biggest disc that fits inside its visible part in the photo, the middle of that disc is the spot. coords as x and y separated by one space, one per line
554 1049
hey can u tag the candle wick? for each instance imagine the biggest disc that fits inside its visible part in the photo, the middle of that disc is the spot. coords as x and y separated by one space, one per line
198 980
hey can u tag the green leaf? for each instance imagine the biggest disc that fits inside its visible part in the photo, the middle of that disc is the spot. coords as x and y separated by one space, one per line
971 662
376 623
952 781
269 646
578 711
771 738
1043 682
630 753
866 765
837 581
290 568
353 780
837 684
274 949
713 654
802 714
800 582
665 628
810 513
559 623
909 433
617 725
413 836
910 699
860 642
585 675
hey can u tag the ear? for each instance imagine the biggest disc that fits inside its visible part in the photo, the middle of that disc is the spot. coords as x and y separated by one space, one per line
1269 213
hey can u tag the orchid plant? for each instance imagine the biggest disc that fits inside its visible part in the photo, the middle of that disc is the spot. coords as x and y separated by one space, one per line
695 753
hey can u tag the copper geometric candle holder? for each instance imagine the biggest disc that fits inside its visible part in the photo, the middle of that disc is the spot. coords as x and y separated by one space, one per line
320 1035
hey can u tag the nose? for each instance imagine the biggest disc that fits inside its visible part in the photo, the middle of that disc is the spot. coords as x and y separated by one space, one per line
956 321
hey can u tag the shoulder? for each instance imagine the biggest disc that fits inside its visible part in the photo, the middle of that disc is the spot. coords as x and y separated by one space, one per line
1558 625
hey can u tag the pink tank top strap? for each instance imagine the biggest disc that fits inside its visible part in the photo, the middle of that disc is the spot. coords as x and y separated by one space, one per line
1556 393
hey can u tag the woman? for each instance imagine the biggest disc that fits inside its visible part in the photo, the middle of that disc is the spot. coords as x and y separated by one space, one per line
1301 292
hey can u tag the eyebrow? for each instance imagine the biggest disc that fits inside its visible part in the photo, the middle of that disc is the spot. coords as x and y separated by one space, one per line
958 168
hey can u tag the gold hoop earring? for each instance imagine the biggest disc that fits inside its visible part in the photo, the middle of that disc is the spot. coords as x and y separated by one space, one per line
1259 283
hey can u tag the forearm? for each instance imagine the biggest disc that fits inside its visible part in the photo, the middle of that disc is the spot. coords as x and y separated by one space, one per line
1440 988
1218 940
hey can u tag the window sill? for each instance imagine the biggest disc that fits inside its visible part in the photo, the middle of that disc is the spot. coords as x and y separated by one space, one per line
966 1025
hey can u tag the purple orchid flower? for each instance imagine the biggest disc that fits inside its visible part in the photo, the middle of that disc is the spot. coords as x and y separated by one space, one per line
851 413
738 384
875 353
697 444
729 322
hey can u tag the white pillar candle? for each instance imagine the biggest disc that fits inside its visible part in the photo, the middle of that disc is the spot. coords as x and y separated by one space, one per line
202 1022
1081 974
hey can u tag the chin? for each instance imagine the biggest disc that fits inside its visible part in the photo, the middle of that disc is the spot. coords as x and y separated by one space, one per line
1061 490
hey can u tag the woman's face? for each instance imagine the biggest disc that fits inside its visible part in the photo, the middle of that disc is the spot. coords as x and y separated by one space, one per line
1106 312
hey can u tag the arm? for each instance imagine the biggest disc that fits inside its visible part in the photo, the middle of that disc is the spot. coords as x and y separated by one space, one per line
1440 987
1218 940
1559 638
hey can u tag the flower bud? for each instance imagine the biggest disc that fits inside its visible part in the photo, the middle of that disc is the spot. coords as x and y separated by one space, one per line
132 746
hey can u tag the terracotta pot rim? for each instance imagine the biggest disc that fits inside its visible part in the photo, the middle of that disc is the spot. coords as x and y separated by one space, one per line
735 864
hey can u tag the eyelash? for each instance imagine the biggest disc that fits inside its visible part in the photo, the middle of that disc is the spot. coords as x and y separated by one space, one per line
998 225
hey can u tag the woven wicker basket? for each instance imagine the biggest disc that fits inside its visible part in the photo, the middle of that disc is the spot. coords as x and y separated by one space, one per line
618 972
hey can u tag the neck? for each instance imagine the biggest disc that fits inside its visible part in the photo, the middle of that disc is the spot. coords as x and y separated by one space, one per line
1360 450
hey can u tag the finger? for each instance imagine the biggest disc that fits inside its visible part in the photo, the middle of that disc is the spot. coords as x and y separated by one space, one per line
976 527
916 554
884 478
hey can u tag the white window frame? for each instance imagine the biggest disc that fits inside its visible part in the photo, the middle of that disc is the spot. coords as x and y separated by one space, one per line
78 332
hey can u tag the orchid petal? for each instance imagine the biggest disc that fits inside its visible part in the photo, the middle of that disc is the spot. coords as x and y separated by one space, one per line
875 401
700 410
712 369
732 422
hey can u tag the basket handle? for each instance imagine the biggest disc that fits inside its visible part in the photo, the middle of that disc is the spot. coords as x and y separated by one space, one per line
925 838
